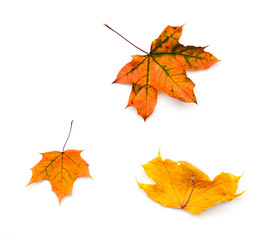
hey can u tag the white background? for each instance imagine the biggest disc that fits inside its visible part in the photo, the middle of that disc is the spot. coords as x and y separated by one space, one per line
57 63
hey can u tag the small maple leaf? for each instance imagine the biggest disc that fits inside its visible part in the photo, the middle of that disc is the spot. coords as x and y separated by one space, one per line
164 69
61 169
181 185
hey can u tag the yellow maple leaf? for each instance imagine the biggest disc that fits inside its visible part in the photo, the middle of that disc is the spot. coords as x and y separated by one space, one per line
182 185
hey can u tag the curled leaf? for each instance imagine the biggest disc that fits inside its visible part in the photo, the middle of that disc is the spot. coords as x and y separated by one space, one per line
181 185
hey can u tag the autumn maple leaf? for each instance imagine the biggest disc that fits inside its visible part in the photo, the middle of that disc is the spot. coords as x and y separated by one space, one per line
164 69
181 185
61 169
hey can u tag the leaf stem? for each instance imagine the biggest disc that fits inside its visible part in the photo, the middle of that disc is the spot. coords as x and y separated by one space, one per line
190 193
68 136
125 39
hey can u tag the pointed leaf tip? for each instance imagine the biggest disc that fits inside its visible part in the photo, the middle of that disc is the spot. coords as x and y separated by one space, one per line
159 154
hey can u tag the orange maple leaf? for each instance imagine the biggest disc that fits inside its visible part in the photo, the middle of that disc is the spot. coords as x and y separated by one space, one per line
61 169
164 69
181 185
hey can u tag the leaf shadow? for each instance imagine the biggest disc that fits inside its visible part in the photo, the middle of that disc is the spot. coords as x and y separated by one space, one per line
167 102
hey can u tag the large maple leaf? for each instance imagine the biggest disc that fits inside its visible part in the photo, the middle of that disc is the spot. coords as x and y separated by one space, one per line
164 69
61 169
181 185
